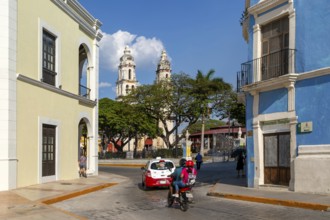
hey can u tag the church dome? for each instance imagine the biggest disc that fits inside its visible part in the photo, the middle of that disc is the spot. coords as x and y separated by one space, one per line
127 55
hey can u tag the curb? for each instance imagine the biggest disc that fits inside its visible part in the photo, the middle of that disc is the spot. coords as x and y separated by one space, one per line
272 201
121 165
77 193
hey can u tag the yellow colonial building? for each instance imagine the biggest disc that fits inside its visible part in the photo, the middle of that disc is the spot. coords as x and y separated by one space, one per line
49 91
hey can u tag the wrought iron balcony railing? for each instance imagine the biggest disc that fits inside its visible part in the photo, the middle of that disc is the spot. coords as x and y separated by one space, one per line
84 91
267 67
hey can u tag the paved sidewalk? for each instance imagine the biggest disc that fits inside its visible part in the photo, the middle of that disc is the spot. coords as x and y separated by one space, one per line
272 195
229 186
33 202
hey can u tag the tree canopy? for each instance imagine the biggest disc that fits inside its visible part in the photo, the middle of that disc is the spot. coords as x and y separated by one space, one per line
161 109
182 100
121 122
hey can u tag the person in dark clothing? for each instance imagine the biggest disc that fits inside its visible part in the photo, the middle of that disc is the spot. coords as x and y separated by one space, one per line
240 164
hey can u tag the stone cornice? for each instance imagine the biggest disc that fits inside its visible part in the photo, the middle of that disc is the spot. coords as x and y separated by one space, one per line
271 84
51 88
264 6
85 20
314 73
287 81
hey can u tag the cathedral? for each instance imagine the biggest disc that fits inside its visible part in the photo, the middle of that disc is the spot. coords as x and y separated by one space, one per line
127 81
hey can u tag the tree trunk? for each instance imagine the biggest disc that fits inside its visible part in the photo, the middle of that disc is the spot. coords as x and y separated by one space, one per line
202 137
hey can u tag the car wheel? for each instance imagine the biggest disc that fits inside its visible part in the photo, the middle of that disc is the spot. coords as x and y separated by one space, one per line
170 199
144 185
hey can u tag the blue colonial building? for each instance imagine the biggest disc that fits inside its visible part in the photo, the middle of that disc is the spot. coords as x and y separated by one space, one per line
286 89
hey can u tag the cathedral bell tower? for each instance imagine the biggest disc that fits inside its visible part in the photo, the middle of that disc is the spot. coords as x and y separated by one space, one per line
126 81
164 68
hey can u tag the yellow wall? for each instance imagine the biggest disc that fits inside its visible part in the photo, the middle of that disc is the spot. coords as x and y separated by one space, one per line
34 102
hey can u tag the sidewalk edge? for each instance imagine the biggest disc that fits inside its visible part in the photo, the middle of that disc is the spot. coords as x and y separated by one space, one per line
272 201
76 193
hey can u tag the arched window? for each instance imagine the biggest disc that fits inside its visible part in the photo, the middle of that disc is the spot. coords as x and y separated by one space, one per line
166 76
129 73
84 88
127 89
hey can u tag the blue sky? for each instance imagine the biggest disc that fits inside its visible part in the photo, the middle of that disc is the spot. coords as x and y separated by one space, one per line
196 34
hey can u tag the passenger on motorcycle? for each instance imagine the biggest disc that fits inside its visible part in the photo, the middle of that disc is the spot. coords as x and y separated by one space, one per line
176 177
191 173
187 177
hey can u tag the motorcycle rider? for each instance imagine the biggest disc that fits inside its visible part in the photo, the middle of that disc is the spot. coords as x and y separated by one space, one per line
187 177
177 179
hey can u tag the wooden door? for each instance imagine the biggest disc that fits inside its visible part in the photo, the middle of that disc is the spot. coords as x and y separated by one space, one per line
48 150
277 159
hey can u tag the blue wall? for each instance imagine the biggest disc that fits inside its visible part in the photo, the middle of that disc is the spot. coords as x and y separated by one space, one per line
312 34
249 141
273 101
313 104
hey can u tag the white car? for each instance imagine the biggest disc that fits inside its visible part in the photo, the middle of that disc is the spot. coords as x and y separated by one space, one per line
155 173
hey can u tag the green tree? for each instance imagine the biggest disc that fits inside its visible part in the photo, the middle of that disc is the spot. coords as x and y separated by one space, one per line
207 91
209 123
121 123
164 102
237 111
228 107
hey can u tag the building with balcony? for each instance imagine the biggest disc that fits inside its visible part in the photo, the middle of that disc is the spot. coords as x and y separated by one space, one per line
284 85
49 86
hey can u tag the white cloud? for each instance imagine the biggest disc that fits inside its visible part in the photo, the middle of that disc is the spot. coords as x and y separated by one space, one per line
146 51
104 84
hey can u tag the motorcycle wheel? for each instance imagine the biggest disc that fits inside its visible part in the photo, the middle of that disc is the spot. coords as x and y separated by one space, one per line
170 199
183 203
184 206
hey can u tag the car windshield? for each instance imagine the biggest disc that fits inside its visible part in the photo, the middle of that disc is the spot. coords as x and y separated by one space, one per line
161 165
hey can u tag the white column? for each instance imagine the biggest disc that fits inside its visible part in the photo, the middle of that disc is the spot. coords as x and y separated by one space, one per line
291 97
292 38
293 152
256 52
8 44
257 142
93 139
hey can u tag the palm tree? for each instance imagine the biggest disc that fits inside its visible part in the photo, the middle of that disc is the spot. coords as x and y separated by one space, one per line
205 90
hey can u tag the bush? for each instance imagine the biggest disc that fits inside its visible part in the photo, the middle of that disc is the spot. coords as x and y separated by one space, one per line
114 155
164 153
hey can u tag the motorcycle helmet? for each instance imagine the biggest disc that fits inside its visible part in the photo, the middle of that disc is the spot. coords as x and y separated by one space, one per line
190 163
182 162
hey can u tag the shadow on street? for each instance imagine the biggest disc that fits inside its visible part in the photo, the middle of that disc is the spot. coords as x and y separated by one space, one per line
220 172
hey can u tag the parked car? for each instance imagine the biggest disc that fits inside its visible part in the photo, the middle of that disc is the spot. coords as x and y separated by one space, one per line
155 173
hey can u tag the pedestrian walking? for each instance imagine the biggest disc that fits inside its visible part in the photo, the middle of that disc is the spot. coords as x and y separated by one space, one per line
199 160
240 164
82 165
